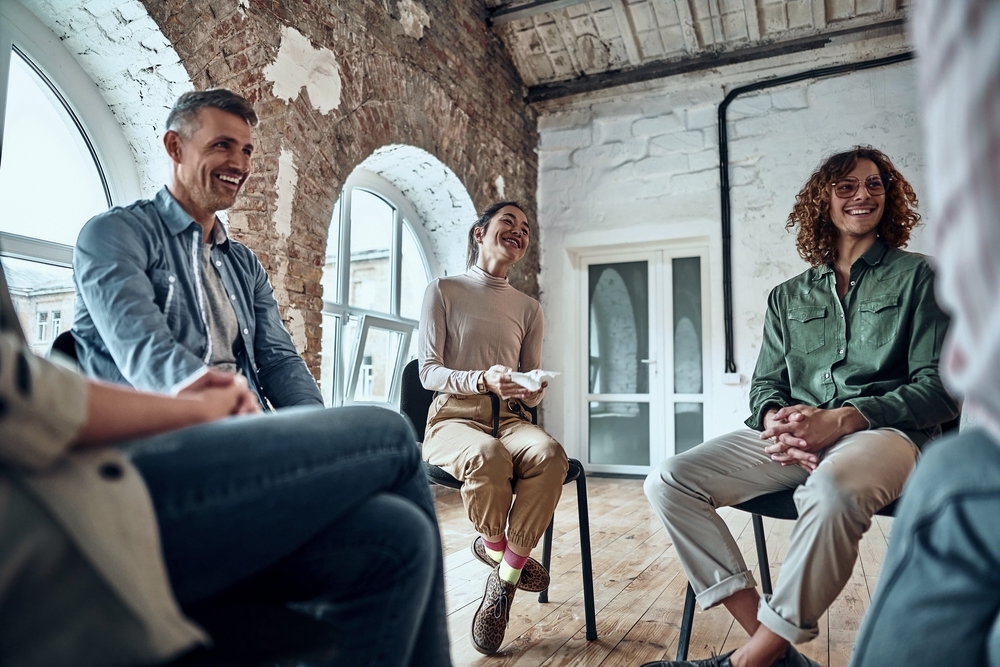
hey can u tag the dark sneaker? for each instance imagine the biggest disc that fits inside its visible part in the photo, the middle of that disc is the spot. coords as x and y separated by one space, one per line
714 661
490 622
534 578
792 658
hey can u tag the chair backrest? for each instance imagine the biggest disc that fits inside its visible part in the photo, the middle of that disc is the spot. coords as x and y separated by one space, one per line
65 344
414 400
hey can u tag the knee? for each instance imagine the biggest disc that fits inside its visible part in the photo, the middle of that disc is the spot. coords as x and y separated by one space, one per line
830 497
490 459
663 486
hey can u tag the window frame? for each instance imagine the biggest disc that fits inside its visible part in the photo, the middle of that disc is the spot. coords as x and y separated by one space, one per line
346 372
22 31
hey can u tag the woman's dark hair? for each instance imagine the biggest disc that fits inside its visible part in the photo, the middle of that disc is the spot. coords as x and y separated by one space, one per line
472 256
817 236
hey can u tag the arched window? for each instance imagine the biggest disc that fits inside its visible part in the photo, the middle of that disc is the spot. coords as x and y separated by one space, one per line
373 284
57 137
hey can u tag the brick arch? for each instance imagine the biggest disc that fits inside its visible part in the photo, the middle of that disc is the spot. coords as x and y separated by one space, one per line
453 93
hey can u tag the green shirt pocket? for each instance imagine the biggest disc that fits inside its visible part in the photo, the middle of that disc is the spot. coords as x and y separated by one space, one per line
878 319
807 328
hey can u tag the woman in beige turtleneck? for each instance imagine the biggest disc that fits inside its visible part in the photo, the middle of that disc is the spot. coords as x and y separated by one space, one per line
475 330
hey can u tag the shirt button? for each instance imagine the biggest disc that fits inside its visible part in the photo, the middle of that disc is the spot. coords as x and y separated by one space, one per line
840 351
827 375
852 282
246 331
841 316
171 279
233 297
218 263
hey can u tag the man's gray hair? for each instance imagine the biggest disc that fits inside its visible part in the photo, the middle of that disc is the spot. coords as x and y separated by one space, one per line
183 118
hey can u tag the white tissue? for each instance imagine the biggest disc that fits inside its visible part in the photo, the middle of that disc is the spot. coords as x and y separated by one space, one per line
532 380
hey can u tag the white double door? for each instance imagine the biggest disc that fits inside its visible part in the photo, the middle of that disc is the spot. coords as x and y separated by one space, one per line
644 315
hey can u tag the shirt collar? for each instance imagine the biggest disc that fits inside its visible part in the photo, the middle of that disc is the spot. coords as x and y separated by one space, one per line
177 219
873 257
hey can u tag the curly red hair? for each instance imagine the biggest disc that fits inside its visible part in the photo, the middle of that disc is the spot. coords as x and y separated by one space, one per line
817 236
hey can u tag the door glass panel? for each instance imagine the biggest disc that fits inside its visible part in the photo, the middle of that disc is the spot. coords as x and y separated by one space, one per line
687 325
619 328
688 426
378 365
415 277
49 183
371 240
44 298
619 433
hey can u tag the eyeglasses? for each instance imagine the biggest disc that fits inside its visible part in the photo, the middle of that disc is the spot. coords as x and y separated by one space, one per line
847 187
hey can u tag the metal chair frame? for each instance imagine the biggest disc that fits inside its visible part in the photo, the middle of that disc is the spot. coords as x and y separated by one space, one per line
415 402
778 505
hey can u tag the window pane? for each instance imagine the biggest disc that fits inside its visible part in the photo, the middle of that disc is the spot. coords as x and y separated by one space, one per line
44 299
619 433
329 359
688 426
687 325
415 275
331 269
371 240
378 365
619 328
49 183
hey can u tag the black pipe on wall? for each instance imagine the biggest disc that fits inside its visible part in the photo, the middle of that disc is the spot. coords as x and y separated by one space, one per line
727 262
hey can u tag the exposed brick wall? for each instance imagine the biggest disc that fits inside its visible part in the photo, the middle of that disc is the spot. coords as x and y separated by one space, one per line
453 92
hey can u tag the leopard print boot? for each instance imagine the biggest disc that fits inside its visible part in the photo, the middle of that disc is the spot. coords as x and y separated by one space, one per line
490 622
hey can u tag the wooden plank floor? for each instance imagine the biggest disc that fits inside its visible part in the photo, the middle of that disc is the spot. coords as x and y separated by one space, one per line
639 588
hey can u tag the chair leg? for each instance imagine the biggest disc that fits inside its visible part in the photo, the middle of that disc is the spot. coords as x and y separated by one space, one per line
765 569
547 555
687 619
588 570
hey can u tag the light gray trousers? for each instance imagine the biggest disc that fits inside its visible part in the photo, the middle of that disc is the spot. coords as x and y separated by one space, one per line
857 476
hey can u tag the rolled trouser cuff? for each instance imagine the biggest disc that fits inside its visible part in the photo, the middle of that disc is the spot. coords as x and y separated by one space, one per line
782 627
731 585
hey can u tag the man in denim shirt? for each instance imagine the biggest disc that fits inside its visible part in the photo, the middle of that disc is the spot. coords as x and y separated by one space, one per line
845 392
164 296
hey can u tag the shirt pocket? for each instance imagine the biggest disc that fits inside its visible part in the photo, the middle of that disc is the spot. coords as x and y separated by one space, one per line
807 328
878 319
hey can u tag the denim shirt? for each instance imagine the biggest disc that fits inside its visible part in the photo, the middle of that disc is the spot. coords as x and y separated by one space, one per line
140 317
876 350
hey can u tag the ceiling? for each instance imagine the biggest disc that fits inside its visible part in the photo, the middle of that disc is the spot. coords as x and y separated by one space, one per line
568 47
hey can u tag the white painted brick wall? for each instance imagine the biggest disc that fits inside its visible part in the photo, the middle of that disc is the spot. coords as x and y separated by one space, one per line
134 66
610 195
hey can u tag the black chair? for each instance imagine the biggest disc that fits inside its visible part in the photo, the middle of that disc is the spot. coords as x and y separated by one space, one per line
65 344
415 402
778 505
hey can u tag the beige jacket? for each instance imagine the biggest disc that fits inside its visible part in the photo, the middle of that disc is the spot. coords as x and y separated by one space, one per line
82 578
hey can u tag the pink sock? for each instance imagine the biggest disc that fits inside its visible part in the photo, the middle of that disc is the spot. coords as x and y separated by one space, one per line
495 546
510 568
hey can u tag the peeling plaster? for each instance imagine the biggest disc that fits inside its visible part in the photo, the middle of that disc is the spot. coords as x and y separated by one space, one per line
413 18
501 186
288 178
299 65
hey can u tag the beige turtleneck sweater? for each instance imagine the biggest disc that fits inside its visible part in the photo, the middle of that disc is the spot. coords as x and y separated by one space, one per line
471 322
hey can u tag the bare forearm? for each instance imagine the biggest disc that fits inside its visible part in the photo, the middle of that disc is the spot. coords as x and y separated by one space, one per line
116 413
849 420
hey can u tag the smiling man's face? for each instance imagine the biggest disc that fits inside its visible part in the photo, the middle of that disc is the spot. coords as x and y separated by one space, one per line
858 216
210 165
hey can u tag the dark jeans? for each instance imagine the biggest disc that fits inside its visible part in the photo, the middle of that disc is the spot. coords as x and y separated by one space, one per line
938 596
326 509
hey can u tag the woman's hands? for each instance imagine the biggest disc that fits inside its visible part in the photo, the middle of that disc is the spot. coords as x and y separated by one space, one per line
497 379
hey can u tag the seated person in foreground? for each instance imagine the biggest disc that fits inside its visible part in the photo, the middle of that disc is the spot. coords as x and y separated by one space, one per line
845 392
163 294
475 330
306 535
938 596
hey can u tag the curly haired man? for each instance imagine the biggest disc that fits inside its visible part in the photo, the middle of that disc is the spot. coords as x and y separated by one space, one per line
845 393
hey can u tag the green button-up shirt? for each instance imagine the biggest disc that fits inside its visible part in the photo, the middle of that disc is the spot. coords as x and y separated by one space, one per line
877 349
